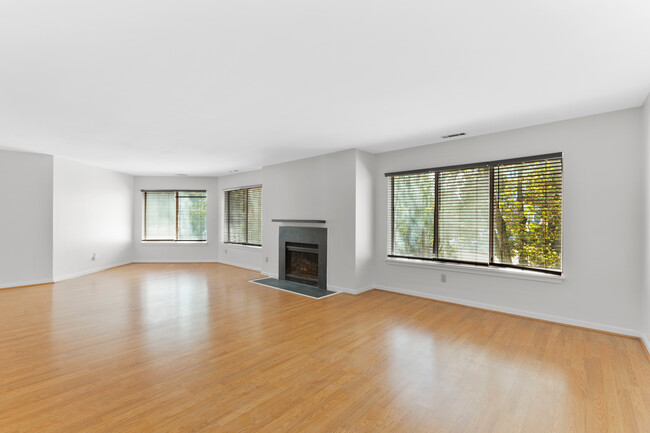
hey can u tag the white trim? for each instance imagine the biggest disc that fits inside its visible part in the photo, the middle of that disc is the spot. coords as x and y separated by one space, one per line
216 261
177 261
240 265
240 187
25 283
516 312
146 242
645 341
329 286
58 278
292 292
471 269
350 291
257 248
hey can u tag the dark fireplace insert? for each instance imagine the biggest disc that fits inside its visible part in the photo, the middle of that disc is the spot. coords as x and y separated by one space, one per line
303 255
302 263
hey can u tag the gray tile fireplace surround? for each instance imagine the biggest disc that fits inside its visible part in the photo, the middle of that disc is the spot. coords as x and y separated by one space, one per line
304 235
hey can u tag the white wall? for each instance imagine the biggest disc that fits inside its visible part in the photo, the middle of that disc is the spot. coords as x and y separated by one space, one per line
340 197
244 256
645 291
321 188
603 172
336 187
92 213
25 218
182 251
365 220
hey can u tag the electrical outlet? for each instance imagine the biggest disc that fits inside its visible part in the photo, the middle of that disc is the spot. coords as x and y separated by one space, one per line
266 259
443 278
93 257
225 251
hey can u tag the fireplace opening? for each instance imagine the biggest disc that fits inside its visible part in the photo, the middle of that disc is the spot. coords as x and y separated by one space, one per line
302 263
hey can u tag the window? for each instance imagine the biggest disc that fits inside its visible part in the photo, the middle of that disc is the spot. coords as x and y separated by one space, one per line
500 213
243 216
175 216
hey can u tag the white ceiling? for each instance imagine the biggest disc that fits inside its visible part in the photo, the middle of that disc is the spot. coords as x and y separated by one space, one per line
204 87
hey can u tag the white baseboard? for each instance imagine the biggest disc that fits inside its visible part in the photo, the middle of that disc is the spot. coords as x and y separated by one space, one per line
645 341
25 283
176 261
516 312
58 278
350 291
329 286
223 262
240 265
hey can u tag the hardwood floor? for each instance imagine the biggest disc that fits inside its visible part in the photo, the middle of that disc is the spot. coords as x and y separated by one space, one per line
196 348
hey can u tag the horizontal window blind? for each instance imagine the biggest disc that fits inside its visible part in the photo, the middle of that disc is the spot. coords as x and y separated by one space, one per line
175 216
254 225
412 199
243 216
502 213
528 214
464 215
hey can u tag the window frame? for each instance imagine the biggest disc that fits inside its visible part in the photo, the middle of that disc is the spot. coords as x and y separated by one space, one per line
172 241
226 193
491 165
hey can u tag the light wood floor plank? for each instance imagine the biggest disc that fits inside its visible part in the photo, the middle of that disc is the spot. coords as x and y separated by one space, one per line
197 348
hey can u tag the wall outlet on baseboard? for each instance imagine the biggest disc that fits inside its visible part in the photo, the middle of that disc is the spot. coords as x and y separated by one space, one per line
443 278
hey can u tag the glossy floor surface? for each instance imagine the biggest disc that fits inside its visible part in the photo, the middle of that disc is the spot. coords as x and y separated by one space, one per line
196 348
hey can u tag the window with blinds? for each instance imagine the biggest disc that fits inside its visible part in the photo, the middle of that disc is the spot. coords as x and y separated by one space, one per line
243 216
500 213
174 216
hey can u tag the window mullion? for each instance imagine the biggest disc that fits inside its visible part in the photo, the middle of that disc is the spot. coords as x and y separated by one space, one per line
246 213
145 216
392 215
436 213
492 210
227 216
176 215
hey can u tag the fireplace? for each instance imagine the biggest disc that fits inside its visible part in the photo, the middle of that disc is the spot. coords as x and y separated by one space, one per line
302 263
303 255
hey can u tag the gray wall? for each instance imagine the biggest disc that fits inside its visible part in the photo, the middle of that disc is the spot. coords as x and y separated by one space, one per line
25 218
603 213
93 210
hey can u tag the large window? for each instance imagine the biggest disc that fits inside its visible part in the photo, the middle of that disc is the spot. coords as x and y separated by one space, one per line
243 216
174 216
500 213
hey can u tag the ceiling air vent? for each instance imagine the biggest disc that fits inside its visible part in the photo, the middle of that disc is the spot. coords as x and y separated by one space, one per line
454 135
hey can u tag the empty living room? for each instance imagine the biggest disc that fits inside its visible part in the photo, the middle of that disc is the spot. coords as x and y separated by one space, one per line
336 216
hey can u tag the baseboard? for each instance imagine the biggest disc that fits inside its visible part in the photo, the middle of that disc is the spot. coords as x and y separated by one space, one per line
517 312
223 262
329 286
350 291
646 343
176 261
59 278
25 283
240 265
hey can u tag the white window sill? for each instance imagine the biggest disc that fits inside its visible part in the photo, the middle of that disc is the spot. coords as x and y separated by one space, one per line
480 270
241 247
174 243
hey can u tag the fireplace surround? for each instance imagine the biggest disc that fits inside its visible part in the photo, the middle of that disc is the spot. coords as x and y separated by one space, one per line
303 255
